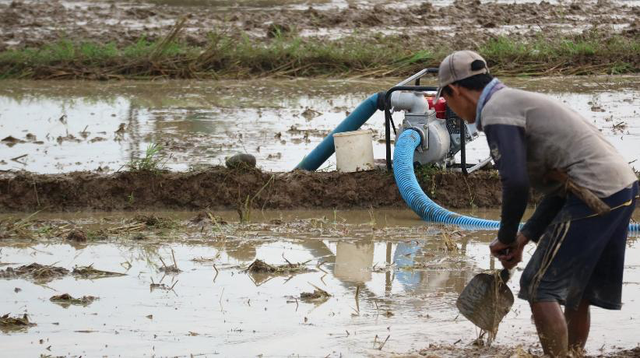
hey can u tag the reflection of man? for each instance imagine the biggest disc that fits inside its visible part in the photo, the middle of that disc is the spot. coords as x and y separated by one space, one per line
537 141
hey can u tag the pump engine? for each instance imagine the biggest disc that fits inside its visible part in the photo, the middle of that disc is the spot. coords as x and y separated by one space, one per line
443 133
438 126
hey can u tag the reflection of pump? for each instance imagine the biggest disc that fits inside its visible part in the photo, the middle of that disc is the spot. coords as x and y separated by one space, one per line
405 257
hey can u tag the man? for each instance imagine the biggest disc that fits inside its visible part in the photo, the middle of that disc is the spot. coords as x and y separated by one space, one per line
581 224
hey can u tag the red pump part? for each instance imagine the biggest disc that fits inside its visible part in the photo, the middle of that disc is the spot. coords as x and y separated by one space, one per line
440 107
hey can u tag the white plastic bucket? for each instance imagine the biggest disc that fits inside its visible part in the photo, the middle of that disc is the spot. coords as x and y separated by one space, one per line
354 151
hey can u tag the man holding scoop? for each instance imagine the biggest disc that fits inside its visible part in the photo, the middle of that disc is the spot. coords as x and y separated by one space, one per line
581 224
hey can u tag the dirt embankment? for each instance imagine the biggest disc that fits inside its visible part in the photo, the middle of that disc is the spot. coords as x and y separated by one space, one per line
221 188
34 24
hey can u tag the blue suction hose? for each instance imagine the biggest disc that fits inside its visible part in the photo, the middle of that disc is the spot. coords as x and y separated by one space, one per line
421 204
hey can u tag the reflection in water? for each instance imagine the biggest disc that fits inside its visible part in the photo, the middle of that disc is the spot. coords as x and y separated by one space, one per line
407 284
354 261
404 258
243 252
418 266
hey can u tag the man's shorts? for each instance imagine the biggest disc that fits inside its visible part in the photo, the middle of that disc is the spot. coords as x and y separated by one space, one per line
581 257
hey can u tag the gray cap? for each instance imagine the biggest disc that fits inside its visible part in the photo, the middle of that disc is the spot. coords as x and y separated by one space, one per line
457 66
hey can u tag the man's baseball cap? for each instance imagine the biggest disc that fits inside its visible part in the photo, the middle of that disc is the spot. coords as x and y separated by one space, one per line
458 66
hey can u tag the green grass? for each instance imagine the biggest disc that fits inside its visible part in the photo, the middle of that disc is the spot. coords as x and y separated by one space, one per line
151 162
241 56
592 52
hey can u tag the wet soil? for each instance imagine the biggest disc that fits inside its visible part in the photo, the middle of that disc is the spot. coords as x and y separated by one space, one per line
88 272
374 284
34 24
66 300
474 351
8 323
244 190
34 271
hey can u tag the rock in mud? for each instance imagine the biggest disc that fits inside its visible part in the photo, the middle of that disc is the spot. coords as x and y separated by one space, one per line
77 235
240 161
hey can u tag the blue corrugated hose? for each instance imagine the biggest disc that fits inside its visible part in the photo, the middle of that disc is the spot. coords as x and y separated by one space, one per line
420 203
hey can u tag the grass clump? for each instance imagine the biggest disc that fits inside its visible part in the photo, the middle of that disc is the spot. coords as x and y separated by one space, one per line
152 161
426 176
592 52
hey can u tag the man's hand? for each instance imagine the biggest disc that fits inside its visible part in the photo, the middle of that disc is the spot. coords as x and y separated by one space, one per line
509 254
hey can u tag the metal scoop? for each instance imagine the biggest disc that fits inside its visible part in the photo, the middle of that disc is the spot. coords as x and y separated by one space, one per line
486 300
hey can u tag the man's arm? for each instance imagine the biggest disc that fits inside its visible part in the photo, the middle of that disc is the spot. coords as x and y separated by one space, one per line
508 150
545 212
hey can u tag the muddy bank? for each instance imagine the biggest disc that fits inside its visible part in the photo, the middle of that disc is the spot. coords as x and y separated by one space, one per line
221 188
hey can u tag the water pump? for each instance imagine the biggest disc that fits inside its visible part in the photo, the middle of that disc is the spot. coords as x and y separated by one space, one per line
443 134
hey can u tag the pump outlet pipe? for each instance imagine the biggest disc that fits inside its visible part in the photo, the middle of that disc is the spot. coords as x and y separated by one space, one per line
420 203
354 121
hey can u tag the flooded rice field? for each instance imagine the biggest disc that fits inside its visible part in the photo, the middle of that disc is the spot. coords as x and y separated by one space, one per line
53 127
311 283
255 281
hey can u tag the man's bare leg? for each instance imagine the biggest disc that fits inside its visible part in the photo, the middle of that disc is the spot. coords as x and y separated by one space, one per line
552 328
578 325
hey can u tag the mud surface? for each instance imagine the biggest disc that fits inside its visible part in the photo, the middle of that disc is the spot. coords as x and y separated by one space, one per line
366 283
63 126
36 23
245 191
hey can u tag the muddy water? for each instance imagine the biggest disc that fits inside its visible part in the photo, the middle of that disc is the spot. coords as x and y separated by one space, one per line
407 283
67 126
